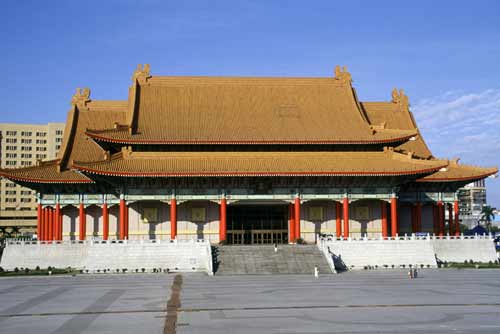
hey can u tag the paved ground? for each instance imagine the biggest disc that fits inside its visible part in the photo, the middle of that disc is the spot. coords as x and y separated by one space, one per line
441 301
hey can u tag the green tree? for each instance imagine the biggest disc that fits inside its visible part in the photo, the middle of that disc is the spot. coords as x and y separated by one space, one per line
487 215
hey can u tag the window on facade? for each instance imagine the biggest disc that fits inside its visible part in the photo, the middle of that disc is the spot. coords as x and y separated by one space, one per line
41 149
25 200
11 155
25 192
41 134
11 140
10 200
58 140
26 163
10 185
26 155
58 147
41 156
11 148
10 163
41 141
10 192
26 133
59 132
10 208
25 141
26 209
25 148
11 133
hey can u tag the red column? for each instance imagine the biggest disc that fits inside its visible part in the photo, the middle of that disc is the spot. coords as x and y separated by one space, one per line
60 224
383 208
346 217
222 220
440 214
45 223
39 221
127 229
83 222
418 214
297 218
291 224
50 235
121 232
57 220
435 219
394 216
457 219
173 219
451 226
338 219
105 222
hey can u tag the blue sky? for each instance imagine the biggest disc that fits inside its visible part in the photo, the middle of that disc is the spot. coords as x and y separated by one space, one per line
443 53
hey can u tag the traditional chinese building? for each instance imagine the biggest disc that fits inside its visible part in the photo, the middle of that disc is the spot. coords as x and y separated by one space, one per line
246 160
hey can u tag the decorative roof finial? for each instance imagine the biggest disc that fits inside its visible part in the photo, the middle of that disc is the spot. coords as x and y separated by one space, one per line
342 75
81 97
142 73
400 98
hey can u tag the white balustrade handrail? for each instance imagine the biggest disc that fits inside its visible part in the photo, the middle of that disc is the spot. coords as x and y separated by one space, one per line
412 237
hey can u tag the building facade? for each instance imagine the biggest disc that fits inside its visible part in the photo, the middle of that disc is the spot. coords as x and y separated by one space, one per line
21 146
472 198
244 161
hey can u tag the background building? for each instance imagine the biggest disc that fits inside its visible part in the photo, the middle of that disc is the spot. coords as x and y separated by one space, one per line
21 145
472 198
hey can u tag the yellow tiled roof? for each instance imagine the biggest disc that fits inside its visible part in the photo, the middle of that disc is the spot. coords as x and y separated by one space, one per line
458 172
129 163
46 172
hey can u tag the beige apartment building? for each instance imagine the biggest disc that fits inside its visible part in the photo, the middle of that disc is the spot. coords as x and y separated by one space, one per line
21 145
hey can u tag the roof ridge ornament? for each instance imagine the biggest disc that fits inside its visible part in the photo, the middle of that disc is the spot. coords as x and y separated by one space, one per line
81 98
342 75
400 98
142 73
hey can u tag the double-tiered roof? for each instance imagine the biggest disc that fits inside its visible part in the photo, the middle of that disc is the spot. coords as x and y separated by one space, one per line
228 126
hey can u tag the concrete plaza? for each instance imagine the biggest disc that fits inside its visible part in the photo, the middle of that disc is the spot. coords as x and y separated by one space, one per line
440 301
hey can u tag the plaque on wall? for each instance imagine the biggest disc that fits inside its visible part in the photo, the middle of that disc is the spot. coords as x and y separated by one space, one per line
149 215
362 213
315 213
198 214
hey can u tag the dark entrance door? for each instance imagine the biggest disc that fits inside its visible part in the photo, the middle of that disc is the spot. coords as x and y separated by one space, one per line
252 224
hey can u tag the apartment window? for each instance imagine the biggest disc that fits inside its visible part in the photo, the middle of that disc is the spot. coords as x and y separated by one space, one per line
41 141
10 192
10 200
59 132
41 156
58 140
11 140
11 148
10 185
41 134
26 155
25 200
25 192
26 209
11 133
41 149
26 133
26 163
11 155
10 163
58 147
25 148
10 208
25 141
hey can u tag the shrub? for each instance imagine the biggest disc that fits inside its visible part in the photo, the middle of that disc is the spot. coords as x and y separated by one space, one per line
143 269
26 270
1 270
301 241
37 268
16 269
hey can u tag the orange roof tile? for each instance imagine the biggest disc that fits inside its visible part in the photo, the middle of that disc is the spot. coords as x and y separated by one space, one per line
456 172
156 164
46 172
247 110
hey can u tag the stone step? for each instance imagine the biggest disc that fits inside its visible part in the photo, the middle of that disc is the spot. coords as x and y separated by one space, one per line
262 259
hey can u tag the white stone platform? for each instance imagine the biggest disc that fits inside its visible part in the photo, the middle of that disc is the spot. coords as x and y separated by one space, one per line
407 250
102 256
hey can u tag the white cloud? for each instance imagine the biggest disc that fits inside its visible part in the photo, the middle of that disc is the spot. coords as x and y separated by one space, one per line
465 125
